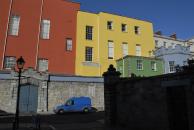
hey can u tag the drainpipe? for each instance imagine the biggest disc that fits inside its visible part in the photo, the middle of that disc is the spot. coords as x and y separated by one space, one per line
38 41
4 49
99 44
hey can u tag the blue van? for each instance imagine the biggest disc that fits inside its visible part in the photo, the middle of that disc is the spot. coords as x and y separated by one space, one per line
74 104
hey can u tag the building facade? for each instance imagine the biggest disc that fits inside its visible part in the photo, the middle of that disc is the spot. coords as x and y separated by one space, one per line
105 37
42 31
140 66
173 57
191 43
167 41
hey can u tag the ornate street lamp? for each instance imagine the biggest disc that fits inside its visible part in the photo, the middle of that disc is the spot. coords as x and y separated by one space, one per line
20 65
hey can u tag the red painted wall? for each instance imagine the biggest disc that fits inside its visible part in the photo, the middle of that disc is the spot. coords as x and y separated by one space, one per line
28 43
63 25
25 44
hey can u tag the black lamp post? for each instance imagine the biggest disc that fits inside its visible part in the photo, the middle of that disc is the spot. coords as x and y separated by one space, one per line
20 65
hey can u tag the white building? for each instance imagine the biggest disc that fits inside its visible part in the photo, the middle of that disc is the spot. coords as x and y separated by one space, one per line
191 43
167 41
173 56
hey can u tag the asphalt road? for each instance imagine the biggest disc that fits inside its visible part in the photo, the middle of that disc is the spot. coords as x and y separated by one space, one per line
68 121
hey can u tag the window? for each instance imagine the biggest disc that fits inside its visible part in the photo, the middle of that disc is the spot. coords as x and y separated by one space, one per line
125 49
123 27
88 54
69 103
9 62
69 44
109 25
173 45
45 29
42 65
150 53
153 65
171 66
137 29
164 44
89 32
185 63
138 50
139 65
110 50
14 24
156 43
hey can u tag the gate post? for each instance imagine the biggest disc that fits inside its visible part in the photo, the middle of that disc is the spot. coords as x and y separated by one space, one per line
111 78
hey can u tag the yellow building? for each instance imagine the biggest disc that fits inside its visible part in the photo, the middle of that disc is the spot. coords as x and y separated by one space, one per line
103 38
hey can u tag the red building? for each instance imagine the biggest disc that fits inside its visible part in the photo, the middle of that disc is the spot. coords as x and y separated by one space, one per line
42 31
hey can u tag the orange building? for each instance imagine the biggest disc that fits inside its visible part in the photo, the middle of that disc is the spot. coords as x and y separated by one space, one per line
42 31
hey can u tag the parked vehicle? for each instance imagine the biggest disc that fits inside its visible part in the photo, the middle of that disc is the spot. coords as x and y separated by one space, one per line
75 104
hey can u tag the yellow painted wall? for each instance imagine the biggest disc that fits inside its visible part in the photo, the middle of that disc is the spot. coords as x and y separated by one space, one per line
82 67
102 35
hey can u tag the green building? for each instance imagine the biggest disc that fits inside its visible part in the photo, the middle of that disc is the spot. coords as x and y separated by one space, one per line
140 66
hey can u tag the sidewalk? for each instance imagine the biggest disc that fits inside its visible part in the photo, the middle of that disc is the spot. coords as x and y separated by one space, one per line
23 126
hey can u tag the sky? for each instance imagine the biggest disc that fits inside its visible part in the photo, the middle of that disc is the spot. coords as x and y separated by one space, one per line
168 16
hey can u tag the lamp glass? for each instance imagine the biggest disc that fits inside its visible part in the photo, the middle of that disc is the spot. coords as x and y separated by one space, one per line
20 63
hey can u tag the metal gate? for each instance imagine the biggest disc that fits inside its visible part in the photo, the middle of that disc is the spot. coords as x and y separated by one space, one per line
28 99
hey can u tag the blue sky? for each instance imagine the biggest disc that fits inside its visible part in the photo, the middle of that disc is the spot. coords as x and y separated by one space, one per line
169 16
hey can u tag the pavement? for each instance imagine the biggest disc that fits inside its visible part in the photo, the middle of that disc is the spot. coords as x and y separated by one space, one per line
93 121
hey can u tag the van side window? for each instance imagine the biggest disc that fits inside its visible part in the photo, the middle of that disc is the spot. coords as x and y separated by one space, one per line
70 102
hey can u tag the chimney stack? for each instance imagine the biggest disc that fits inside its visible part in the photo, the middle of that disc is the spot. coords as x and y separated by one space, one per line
173 36
158 33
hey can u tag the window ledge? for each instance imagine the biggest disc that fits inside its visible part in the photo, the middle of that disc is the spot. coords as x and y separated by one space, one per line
90 63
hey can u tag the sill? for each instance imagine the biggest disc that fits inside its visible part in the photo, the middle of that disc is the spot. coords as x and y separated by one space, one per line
89 39
69 50
44 38
110 29
110 58
13 35
90 63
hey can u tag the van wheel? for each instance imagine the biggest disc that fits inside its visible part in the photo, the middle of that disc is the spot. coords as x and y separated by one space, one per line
61 111
86 110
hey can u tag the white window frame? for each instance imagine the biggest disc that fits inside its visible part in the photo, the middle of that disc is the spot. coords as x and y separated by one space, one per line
43 65
171 65
45 29
124 27
153 65
9 62
110 49
110 25
138 50
89 32
88 54
125 49
139 65
14 25
69 44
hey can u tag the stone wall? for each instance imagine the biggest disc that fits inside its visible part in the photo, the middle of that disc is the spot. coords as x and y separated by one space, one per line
52 89
59 92
154 103
8 92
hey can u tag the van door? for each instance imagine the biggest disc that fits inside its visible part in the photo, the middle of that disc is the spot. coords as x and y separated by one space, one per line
70 105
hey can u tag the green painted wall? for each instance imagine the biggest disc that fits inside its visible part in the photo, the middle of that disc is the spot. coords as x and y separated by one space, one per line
130 66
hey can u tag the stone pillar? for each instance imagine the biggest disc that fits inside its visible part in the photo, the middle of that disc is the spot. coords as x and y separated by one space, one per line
111 78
